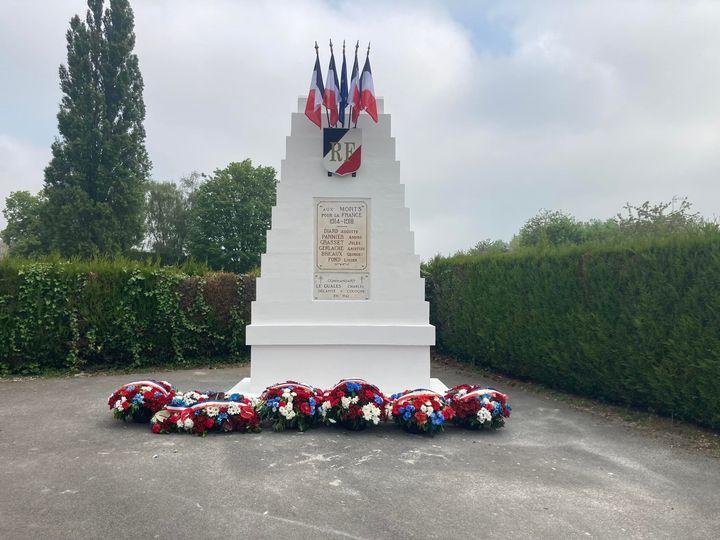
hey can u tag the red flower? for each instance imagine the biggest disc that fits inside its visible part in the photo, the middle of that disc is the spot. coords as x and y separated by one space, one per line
305 408
369 394
421 417
247 413
209 422
156 428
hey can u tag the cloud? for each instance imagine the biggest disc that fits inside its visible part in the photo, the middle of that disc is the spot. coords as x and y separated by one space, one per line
499 109
21 166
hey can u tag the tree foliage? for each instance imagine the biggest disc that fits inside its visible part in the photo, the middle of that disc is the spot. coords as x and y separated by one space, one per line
167 217
230 216
94 184
22 213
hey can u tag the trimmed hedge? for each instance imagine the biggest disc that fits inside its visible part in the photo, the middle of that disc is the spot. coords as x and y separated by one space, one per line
633 325
71 315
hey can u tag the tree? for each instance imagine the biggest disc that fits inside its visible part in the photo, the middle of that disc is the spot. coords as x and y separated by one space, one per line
549 228
230 216
95 182
22 213
659 219
488 246
166 220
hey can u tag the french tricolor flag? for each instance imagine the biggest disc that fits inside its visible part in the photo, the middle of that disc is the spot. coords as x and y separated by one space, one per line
354 94
313 105
332 91
367 90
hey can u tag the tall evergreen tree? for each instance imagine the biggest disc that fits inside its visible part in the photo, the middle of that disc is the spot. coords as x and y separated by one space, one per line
96 179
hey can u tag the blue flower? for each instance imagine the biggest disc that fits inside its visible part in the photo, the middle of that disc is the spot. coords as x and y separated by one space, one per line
497 409
378 400
410 408
401 410
235 397
437 419
312 402
508 407
158 394
395 396
407 415
137 398
130 388
221 417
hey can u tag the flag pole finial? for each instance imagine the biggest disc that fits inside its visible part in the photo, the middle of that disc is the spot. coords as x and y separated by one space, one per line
368 51
343 46
331 49
316 48
357 45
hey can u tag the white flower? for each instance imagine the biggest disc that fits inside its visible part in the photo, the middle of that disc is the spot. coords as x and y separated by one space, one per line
212 411
388 410
461 392
371 413
119 402
326 405
355 399
189 423
145 388
485 401
233 409
345 402
293 394
484 415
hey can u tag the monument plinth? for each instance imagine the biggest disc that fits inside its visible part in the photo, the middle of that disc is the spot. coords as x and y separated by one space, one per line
340 293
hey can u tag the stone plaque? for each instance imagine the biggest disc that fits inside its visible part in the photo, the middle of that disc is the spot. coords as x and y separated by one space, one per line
342 286
341 235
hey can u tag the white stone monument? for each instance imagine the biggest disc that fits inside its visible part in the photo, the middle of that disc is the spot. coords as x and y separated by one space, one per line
340 293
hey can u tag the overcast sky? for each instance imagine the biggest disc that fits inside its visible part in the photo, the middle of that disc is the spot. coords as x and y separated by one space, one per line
499 108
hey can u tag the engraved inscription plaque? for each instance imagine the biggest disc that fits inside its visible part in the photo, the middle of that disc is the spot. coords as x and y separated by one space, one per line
341 235
342 286
341 249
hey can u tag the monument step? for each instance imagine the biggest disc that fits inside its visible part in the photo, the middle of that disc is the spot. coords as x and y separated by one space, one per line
334 311
388 241
340 334
293 216
300 288
300 126
301 147
310 169
285 263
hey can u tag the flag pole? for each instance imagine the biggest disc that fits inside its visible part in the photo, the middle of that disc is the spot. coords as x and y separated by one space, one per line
357 46
327 112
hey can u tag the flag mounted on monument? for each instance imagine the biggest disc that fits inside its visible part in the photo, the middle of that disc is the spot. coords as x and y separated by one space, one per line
343 88
331 90
354 96
367 90
313 105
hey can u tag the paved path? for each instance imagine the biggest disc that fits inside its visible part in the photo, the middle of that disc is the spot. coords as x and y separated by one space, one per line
69 470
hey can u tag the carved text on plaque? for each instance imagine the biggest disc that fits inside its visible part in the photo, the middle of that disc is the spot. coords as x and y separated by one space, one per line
341 235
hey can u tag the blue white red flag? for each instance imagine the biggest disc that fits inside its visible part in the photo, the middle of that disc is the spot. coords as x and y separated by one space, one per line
343 89
331 90
355 105
367 90
313 105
